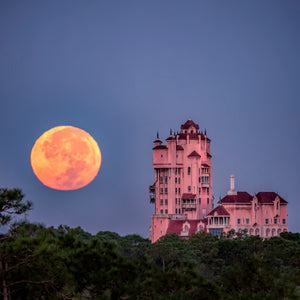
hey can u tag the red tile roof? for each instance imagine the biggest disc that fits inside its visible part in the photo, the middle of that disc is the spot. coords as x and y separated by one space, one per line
268 197
205 165
175 226
159 147
170 138
194 154
182 136
188 196
220 210
179 147
157 141
188 124
193 136
241 197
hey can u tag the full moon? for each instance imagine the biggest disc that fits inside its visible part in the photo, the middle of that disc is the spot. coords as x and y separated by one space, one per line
65 158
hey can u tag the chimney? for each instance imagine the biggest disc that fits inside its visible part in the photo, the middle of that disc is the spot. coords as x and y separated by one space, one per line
232 191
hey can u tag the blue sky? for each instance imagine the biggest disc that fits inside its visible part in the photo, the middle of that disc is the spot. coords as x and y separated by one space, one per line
121 70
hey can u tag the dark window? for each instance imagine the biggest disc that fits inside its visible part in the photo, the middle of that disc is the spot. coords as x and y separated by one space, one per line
199 179
161 156
161 190
179 180
189 170
178 200
175 179
277 205
179 210
176 211
161 180
179 190
199 190
283 221
176 171
199 200
166 179
166 211
175 200
175 190
207 191
179 171
166 201
161 201
267 221
275 221
239 221
207 200
161 211
189 188
166 190
247 221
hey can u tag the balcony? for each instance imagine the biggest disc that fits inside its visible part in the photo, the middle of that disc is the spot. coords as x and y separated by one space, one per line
189 206
152 199
205 184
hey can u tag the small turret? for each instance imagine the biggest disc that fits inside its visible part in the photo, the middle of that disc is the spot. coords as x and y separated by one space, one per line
232 191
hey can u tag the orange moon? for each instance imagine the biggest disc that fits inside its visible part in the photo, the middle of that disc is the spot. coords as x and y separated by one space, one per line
65 158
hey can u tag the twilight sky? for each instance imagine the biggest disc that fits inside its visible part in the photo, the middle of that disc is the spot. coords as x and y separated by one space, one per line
121 70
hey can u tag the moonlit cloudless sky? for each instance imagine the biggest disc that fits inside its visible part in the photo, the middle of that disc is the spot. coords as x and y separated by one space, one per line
123 70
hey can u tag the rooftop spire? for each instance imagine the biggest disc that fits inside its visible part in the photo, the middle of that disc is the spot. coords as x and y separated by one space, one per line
232 191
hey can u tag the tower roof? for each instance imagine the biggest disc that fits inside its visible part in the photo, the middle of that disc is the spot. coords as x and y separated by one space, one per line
194 154
268 197
240 197
220 210
188 124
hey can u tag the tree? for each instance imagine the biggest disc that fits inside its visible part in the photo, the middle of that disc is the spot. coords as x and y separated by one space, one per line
12 204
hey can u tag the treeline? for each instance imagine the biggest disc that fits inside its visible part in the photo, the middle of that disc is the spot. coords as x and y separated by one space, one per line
37 262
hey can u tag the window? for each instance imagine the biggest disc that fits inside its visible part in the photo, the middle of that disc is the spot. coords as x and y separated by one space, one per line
283 221
175 200
166 179
207 191
199 179
161 190
275 221
161 201
267 221
161 156
239 221
207 200
179 210
199 190
176 211
179 190
247 221
189 170
175 179
166 201
176 171
189 188
179 180
175 190
161 211
166 211
192 131
166 190
178 200
277 205
199 200
179 171
161 179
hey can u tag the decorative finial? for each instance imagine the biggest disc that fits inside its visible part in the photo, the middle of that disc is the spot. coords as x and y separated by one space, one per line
170 131
157 135
205 131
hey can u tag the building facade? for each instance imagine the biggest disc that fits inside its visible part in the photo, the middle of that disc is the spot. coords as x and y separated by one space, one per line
182 189
182 193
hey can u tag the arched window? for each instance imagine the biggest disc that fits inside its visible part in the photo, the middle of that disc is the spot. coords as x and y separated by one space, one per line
186 228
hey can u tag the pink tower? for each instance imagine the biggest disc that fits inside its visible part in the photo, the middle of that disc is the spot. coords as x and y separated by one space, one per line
182 189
